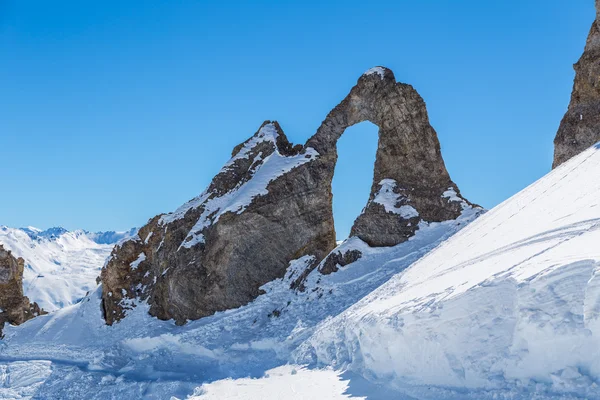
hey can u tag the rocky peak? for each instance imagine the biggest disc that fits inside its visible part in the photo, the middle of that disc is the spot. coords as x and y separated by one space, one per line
272 203
14 305
580 126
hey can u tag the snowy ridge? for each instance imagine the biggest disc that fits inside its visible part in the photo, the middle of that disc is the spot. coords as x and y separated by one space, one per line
504 307
60 266
511 304
237 200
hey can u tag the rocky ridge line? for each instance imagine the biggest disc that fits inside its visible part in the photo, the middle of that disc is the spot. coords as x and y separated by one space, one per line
272 203
580 127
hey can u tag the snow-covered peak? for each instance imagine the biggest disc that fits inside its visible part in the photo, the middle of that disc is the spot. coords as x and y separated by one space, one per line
108 237
267 133
60 266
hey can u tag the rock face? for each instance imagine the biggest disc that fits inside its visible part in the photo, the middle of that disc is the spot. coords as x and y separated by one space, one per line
272 203
580 127
410 181
15 307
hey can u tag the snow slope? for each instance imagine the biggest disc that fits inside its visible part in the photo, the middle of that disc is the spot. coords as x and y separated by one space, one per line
507 308
142 357
238 199
60 266
509 304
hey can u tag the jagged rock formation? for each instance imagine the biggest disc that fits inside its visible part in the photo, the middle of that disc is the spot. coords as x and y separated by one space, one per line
580 127
271 203
410 177
14 305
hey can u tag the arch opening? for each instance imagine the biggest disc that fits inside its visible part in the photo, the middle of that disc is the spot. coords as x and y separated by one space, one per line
353 175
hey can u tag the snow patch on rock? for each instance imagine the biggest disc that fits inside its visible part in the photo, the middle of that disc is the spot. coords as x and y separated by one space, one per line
387 197
138 261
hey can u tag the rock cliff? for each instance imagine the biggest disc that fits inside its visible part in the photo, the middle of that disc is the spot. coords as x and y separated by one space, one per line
271 203
580 127
14 305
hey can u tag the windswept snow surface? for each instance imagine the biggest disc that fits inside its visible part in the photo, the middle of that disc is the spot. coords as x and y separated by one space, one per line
142 357
60 266
509 306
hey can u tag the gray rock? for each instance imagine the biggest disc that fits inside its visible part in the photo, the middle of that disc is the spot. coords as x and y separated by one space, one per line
14 305
580 127
271 203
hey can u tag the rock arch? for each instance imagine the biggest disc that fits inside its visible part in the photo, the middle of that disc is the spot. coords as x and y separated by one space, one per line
409 168
272 203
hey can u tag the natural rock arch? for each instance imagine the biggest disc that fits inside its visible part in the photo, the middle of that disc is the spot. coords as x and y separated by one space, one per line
408 160
272 203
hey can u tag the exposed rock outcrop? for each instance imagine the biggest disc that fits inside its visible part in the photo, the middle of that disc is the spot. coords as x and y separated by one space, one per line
271 203
580 127
14 305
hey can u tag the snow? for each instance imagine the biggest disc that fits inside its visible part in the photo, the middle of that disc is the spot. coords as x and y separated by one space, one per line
60 266
390 200
21 379
376 70
451 195
511 303
138 261
286 382
141 354
505 306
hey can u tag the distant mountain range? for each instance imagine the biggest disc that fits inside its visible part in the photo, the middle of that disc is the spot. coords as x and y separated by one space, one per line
61 266
108 237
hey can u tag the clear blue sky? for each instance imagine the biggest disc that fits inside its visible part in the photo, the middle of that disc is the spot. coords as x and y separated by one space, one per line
114 111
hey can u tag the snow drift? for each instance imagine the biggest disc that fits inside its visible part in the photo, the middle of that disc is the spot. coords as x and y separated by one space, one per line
510 302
